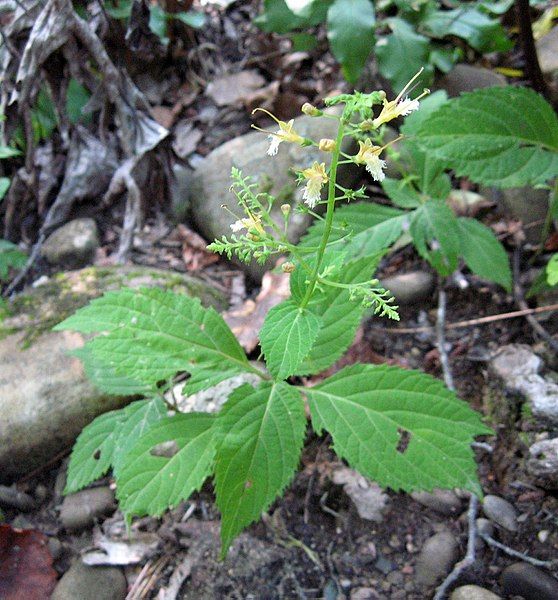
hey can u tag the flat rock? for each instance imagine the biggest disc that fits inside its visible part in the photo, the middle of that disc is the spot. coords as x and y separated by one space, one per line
522 579
73 245
409 288
501 512
466 78
274 174
82 509
543 462
45 398
91 583
444 502
436 559
518 367
472 592
547 51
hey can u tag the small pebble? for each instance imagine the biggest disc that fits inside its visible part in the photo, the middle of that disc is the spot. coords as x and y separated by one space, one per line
364 593
91 583
444 502
472 592
543 535
523 579
501 512
81 509
436 559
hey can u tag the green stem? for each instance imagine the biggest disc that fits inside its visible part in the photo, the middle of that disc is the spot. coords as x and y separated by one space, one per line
329 213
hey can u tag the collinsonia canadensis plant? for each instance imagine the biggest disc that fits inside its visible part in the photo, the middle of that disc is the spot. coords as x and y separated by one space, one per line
399 427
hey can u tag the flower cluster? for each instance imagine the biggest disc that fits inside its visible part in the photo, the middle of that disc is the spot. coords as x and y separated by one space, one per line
369 154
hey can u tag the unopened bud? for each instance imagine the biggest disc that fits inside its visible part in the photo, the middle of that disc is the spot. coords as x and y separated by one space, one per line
311 110
285 209
253 237
287 267
326 145
367 125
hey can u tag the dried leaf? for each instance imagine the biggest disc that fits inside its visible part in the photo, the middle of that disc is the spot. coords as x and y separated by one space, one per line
25 565
119 552
369 498
467 204
234 88
186 138
194 249
247 320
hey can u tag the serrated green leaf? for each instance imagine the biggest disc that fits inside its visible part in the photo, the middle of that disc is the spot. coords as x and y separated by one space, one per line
287 336
340 317
436 235
506 137
402 54
350 30
351 219
468 23
8 152
139 417
167 464
152 334
93 451
401 193
403 429
483 253
261 432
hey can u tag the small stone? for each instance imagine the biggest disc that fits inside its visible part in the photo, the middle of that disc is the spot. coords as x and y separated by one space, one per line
485 527
543 462
73 245
523 579
444 502
364 593
83 508
543 535
436 559
472 592
91 583
409 288
384 565
501 512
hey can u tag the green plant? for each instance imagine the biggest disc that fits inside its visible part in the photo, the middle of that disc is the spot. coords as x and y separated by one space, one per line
402 428
403 35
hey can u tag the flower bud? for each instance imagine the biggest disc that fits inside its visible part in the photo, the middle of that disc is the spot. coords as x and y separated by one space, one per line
285 209
287 267
311 110
326 145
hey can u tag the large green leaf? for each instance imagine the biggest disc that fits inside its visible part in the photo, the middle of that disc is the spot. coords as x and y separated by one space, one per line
401 428
470 24
287 336
483 253
436 235
498 136
151 334
10 257
340 317
4 186
402 53
261 432
167 464
350 30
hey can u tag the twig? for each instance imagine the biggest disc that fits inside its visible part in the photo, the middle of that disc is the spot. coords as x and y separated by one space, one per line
441 338
469 558
520 300
547 564
479 321
532 66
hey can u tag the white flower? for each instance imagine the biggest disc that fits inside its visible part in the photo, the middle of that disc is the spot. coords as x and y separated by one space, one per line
401 106
251 222
316 177
369 155
285 133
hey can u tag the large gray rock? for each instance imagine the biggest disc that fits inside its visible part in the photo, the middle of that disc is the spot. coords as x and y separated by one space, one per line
211 183
466 78
547 51
518 367
45 399
73 245
543 462
81 582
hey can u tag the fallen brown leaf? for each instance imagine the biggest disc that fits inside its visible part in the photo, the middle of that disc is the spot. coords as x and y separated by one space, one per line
234 88
194 249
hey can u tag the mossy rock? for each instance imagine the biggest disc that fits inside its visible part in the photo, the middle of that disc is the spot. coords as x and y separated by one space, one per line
45 398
